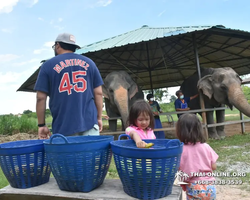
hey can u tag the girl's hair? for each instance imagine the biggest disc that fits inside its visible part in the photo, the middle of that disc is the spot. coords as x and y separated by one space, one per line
140 106
189 129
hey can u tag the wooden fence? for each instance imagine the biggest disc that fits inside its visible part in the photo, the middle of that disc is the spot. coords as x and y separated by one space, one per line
242 121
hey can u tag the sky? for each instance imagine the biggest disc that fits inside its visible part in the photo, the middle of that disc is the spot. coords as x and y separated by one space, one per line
28 29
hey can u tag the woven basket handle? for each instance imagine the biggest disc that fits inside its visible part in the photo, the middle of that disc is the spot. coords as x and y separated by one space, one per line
123 135
173 143
58 135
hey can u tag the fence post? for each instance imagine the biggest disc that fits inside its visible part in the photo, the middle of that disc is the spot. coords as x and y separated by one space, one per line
242 123
202 104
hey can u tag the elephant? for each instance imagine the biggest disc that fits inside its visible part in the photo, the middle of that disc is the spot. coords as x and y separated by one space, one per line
219 87
120 92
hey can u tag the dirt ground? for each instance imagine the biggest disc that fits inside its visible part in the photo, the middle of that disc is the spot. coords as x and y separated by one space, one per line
224 192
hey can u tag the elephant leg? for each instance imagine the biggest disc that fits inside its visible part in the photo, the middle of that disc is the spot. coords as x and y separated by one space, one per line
123 126
113 125
212 132
220 117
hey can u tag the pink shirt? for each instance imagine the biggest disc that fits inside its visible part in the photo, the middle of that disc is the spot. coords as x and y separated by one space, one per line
150 133
196 159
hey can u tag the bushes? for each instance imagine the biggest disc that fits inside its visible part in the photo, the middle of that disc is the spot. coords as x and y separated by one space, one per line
167 107
10 124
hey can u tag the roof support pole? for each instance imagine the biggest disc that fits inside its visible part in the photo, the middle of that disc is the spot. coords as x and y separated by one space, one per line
202 104
149 69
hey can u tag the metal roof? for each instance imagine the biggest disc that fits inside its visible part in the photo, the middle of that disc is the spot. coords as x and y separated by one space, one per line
165 56
145 33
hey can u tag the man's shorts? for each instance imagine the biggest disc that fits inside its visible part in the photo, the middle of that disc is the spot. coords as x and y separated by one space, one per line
93 131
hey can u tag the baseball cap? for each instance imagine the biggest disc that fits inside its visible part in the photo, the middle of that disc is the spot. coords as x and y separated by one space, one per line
67 38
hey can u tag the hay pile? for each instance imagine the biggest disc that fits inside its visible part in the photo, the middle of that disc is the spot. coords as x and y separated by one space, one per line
18 136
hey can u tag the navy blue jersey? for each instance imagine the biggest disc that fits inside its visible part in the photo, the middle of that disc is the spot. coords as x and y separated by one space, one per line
69 80
179 104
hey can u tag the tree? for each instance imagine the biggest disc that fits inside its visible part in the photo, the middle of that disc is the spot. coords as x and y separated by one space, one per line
173 98
246 91
26 112
47 113
159 94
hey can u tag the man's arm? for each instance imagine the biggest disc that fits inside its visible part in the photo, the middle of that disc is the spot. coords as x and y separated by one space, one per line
98 104
43 131
41 99
193 97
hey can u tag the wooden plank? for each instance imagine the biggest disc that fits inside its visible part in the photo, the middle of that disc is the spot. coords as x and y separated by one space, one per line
228 123
173 128
181 112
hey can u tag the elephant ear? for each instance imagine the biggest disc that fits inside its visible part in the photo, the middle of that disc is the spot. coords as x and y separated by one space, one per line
133 90
105 92
205 85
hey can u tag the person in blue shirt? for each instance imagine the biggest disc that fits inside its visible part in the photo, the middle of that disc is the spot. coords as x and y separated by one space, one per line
181 104
74 86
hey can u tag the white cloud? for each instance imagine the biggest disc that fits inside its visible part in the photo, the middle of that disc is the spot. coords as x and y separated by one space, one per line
33 60
160 14
5 30
15 102
46 47
49 44
39 51
29 3
103 3
40 18
9 77
33 2
8 57
54 23
6 6
59 27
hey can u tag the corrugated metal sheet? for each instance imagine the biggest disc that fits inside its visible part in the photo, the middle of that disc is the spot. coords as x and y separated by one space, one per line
144 33
167 54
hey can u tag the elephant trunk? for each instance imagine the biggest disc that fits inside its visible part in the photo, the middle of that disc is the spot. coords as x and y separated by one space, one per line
237 98
121 100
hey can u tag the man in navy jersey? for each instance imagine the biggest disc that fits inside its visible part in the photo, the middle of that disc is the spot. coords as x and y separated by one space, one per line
74 86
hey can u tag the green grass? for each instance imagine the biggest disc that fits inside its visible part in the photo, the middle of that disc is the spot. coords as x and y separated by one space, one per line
3 180
233 156
10 124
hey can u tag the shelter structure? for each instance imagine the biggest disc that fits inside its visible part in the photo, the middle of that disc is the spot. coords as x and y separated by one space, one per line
164 57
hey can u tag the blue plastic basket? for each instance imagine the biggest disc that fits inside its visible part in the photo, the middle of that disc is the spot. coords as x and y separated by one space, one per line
24 163
147 173
79 163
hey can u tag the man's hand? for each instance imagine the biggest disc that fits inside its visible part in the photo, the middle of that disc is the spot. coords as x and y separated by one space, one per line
100 124
141 144
43 133
105 116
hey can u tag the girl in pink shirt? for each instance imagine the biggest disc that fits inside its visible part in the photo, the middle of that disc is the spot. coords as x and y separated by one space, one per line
141 121
198 159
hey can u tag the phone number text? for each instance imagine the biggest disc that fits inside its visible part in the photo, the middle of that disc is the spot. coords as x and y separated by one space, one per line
220 182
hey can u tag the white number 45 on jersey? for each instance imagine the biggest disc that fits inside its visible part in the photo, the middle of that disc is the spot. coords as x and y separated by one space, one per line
66 86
